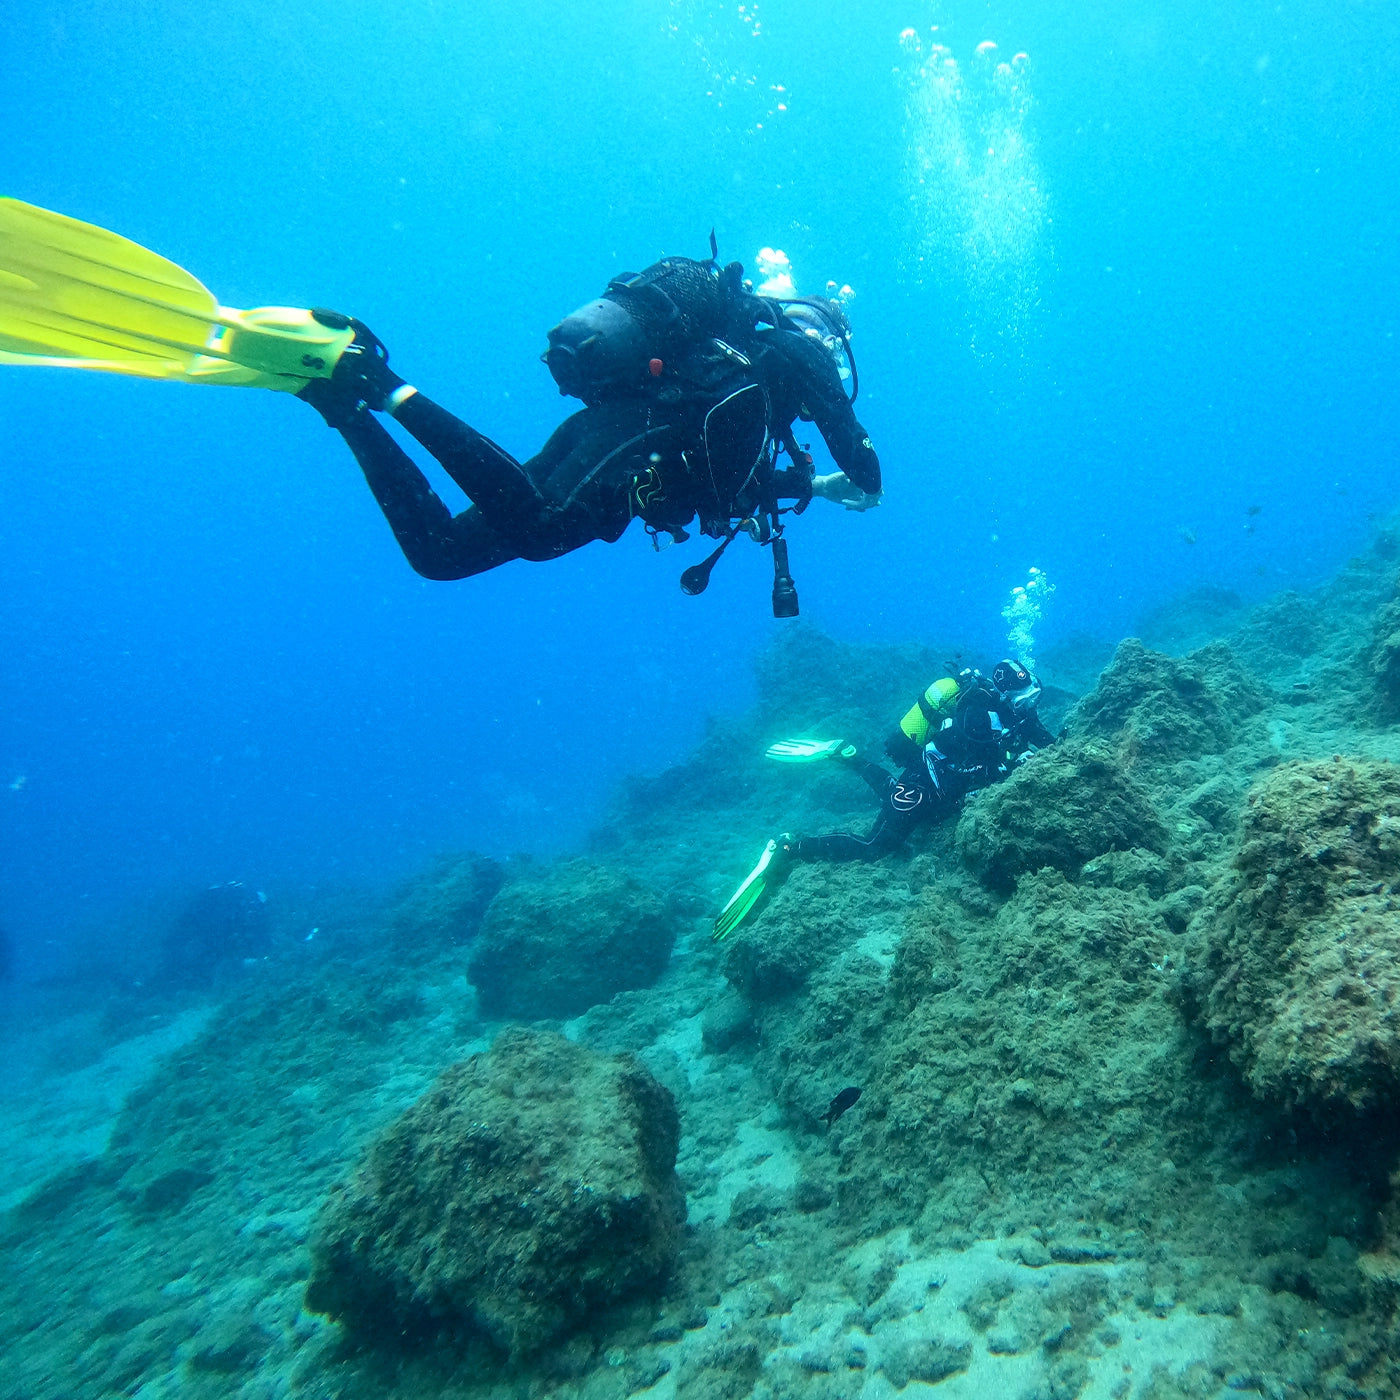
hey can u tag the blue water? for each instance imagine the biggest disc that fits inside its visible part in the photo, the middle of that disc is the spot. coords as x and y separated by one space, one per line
217 664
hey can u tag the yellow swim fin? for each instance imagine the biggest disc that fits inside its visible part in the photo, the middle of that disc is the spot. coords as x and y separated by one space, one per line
80 297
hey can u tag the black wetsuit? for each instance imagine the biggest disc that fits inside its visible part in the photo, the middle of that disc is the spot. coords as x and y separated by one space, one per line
631 456
980 744
908 799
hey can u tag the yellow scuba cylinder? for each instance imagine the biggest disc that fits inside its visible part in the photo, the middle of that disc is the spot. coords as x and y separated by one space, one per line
923 717
936 703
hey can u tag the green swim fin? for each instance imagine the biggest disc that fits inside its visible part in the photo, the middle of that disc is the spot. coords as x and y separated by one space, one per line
809 750
765 877
80 297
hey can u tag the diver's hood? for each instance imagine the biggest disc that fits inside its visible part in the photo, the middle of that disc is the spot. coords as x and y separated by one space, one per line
597 348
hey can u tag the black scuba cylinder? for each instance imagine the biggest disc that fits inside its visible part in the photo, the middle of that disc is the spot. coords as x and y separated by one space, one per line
624 339
596 350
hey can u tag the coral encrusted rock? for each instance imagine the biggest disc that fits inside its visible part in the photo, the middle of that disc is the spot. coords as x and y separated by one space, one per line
527 1188
550 948
1063 807
1302 955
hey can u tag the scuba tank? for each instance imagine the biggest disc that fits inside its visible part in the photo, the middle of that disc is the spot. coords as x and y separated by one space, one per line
625 340
923 718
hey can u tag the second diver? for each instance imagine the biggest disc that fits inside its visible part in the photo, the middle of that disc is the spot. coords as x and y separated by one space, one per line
964 733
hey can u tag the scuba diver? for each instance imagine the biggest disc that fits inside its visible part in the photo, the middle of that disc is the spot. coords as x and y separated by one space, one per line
964 733
691 384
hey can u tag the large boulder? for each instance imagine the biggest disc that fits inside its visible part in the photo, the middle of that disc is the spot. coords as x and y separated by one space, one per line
527 1188
1062 808
820 911
1302 938
218 929
550 948
1162 709
1281 632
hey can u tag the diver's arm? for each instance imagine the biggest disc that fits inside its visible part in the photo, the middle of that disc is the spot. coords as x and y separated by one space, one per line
838 487
1032 730
823 400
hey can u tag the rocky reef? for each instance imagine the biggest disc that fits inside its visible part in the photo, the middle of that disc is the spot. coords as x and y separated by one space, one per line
1062 808
444 905
1384 659
1123 1033
1302 938
528 1188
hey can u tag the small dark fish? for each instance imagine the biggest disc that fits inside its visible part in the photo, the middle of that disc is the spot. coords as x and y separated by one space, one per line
844 1100
1254 510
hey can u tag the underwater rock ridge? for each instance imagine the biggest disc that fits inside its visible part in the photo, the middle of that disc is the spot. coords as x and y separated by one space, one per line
1384 659
1302 937
528 1187
1163 709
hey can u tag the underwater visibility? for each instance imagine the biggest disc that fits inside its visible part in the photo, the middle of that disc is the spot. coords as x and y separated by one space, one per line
753 750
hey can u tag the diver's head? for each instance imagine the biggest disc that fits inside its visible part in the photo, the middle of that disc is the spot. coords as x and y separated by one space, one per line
595 349
1015 684
824 321
820 317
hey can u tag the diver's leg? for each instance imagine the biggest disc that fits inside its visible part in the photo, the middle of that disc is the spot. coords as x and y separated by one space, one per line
492 479
884 836
436 544
572 492
874 776
906 801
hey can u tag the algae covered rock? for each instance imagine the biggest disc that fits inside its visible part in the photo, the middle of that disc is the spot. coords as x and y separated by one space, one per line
1303 936
554 946
818 912
1064 807
1006 1061
1162 709
444 906
1385 660
1282 631
527 1188
218 929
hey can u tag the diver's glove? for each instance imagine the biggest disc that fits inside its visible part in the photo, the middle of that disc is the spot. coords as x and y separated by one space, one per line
361 379
763 879
838 487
